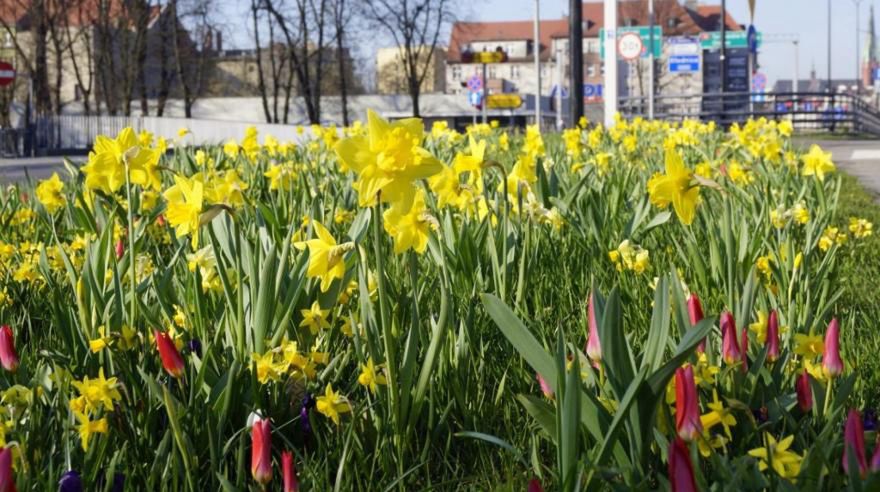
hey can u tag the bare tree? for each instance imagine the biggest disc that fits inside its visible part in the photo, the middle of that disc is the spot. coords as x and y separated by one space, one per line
416 27
192 57
80 49
342 18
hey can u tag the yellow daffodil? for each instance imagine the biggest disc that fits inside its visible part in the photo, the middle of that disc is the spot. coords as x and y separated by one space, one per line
98 344
331 404
388 160
98 392
410 227
817 163
50 193
370 376
314 318
809 346
675 187
185 200
326 258
88 427
786 463
719 415
860 228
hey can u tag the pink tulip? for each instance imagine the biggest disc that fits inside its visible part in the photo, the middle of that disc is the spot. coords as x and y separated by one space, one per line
288 470
261 451
535 486
772 336
875 458
681 471
171 359
831 361
695 313
8 355
854 437
804 391
594 346
7 477
729 345
545 387
687 404
120 249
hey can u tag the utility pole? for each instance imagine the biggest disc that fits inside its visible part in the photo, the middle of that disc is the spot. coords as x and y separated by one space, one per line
610 62
560 80
830 89
576 60
651 22
536 48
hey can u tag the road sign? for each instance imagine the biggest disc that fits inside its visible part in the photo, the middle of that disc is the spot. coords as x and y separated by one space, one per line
475 83
489 57
630 46
503 101
759 82
593 92
683 45
644 34
684 63
734 39
877 74
7 73
556 88
475 98
752 39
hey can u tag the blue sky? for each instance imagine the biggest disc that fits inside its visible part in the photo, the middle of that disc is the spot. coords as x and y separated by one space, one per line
806 18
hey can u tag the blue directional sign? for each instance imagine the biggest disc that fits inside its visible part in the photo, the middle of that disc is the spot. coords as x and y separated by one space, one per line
593 91
684 63
752 39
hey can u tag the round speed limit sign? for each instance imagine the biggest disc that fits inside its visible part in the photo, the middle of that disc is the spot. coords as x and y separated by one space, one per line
630 46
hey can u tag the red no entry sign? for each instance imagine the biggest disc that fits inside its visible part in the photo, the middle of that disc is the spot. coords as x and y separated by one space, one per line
7 73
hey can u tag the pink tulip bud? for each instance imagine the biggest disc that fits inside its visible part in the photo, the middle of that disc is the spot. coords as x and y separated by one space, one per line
681 471
545 387
854 437
8 355
695 313
7 476
594 346
120 249
729 345
831 361
804 391
171 359
875 458
772 336
535 486
288 470
261 451
687 404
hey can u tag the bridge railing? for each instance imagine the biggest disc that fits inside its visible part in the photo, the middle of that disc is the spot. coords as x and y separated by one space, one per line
811 111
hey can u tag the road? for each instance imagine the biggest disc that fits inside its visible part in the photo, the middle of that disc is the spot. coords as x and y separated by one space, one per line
35 168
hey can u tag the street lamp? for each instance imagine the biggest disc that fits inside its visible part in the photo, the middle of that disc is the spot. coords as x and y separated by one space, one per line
858 60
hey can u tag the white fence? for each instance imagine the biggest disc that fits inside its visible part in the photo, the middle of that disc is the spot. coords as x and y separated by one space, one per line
73 132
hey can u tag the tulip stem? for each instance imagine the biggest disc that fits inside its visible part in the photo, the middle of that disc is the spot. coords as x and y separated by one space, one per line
827 398
387 331
132 269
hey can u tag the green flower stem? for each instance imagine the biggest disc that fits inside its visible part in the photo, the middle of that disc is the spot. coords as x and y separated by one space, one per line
388 338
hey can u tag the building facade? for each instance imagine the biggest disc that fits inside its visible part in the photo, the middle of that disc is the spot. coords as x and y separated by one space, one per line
391 78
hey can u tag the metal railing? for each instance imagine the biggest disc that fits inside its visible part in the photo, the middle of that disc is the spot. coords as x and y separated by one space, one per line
810 111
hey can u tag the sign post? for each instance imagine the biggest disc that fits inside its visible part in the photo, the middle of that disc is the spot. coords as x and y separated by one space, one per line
610 43
7 73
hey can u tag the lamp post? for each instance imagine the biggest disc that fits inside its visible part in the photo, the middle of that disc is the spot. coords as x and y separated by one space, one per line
536 48
857 3
610 42
576 59
830 89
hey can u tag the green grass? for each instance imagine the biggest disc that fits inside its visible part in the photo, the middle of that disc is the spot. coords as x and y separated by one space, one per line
860 272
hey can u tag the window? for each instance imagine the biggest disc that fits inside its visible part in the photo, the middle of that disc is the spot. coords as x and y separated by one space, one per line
672 22
456 72
591 70
492 72
514 72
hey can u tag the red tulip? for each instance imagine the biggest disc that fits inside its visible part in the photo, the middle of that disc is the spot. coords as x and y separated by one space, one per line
854 438
772 336
804 391
681 471
7 478
8 355
831 361
261 450
288 470
171 359
594 346
729 345
535 486
120 249
695 313
687 405
875 458
545 387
